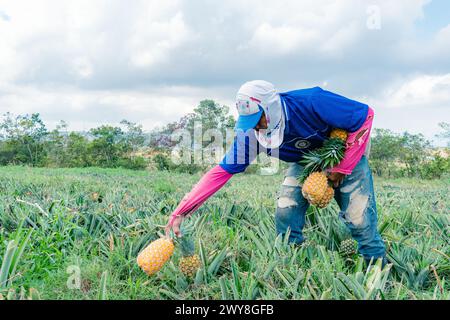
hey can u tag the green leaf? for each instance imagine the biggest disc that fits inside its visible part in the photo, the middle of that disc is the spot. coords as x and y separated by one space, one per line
6 264
204 260
223 288
217 261
18 254
103 292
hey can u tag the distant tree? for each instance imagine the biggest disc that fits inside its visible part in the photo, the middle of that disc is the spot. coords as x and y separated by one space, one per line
108 146
394 154
384 150
134 135
67 149
446 134
414 150
435 168
212 116
208 113
56 145
77 151
22 139
160 139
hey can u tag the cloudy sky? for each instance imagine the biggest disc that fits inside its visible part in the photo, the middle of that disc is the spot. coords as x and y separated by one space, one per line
93 62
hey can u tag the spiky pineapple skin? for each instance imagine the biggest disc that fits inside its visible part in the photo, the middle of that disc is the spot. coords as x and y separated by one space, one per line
348 247
155 255
189 265
339 133
314 187
326 199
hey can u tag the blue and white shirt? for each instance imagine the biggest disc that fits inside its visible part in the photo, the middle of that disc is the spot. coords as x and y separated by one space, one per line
310 115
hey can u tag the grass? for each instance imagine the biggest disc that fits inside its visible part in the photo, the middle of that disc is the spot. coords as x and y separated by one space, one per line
76 233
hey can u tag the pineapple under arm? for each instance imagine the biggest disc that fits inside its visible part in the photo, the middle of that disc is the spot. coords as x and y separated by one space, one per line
339 134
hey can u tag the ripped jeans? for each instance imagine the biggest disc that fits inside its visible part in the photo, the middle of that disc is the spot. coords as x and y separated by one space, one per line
356 199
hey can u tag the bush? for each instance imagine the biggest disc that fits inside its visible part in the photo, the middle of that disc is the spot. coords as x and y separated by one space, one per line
135 163
435 168
188 168
164 163
161 161
405 155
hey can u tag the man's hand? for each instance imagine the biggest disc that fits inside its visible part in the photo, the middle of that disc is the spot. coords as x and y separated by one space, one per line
175 226
336 178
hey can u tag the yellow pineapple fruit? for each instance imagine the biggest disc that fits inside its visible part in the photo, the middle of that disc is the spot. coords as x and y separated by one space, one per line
339 134
326 199
190 262
155 255
314 187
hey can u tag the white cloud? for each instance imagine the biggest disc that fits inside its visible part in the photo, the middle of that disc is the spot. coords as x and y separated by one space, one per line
442 40
343 38
154 37
420 91
415 104
151 61
83 110
82 67
280 40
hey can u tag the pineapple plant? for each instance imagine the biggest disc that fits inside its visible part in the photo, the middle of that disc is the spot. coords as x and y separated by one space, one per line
155 255
348 247
13 294
314 181
189 262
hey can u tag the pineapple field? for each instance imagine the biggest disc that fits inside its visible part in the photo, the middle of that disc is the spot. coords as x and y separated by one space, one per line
77 234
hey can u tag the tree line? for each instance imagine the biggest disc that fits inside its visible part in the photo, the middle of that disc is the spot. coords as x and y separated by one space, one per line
409 155
25 140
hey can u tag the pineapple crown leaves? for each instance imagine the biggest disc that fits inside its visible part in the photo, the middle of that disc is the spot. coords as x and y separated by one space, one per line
186 242
329 155
333 149
187 246
311 162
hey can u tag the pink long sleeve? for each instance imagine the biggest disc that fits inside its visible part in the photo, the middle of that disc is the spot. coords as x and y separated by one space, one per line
209 184
355 148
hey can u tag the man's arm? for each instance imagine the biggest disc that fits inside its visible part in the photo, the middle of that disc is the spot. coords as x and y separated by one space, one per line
237 159
209 184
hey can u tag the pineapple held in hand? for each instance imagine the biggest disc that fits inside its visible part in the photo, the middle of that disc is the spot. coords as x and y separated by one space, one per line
190 262
155 255
326 199
314 187
315 182
317 191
